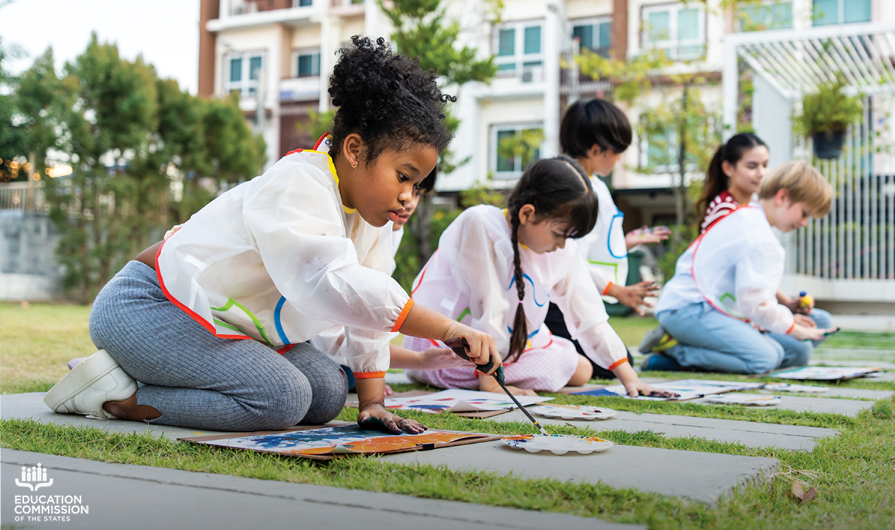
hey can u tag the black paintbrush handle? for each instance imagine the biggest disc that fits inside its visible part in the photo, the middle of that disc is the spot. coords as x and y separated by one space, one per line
461 347
516 401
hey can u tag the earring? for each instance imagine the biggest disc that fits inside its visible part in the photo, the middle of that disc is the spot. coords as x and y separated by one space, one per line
354 164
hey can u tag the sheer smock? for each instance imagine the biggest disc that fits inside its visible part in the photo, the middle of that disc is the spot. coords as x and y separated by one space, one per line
736 265
279 259
470 278
604 247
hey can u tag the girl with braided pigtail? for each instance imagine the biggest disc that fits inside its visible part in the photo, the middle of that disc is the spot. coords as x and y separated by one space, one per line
496 270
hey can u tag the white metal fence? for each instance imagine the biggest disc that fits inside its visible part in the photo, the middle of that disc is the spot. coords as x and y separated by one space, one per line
16 196
856 240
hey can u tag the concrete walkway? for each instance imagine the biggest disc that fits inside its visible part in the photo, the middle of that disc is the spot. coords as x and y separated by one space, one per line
137 497
750 434
667 472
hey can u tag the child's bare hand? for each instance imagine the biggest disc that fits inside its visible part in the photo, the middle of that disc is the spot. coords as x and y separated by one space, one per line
488 384
802 320
482 347
377 416
388 390
440 359
808 333
516 391
632 296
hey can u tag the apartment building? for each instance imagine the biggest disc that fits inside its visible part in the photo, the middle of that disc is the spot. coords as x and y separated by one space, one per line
277 55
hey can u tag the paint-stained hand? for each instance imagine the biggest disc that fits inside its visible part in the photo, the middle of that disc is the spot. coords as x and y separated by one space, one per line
646 235
377 416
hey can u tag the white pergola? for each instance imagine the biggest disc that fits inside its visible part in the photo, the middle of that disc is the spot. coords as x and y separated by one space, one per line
849 255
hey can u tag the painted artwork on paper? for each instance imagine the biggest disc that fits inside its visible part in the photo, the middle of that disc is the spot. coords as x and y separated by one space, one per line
460 401
685 389
826 373
346 439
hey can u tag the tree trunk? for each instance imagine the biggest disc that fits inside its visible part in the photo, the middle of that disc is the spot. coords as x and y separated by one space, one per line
680 190
421 227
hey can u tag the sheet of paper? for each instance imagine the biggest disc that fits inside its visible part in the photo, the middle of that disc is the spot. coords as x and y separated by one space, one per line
686 389
349 439
460 401
825 373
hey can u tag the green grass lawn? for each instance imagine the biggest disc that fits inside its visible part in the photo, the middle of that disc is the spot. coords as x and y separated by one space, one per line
854 472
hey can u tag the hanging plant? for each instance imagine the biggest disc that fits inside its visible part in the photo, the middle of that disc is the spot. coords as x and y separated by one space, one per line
826 115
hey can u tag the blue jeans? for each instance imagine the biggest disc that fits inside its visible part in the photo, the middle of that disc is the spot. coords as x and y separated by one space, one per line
711 341
798 352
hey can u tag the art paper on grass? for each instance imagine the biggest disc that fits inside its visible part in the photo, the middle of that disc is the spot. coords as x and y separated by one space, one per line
460 401
826 373
341 440
686 389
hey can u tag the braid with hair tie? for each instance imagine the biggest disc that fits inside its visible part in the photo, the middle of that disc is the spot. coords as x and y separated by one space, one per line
519 337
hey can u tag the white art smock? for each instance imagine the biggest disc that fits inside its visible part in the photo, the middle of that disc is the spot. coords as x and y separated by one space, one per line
470 278
736 266
279 259
604 247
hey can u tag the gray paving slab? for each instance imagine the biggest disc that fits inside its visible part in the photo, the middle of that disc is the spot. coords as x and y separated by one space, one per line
138 497
701 477
888 377
857 363
792 437
846 407
846 392
31 405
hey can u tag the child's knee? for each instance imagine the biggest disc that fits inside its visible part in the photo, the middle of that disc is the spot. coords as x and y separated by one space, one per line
282 404
822 318
768 355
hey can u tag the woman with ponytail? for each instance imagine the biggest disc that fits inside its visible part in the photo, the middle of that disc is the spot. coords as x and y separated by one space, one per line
733 177
497 270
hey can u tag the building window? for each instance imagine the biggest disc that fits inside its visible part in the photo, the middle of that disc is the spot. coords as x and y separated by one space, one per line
307 64
593 34
303 3
513 147
679 29
764 16
245 73
518 48
827 12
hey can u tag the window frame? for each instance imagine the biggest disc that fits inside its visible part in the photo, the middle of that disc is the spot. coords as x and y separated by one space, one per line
595 23
765 4
673 45
296 54
519 57
494 129
840 15
245 84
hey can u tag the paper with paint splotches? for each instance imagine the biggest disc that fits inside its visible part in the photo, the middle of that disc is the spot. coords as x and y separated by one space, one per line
348 439
455 400
686 389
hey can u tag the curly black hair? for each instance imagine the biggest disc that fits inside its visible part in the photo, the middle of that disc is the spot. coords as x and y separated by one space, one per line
387 99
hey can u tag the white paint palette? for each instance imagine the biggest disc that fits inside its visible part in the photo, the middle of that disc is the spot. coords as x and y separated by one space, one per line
573 412
558 444
754 400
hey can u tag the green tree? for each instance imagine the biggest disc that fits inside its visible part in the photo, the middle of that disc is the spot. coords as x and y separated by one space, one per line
422 29
13 137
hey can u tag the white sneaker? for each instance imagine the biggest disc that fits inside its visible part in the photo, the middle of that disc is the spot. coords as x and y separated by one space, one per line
652 339
91 383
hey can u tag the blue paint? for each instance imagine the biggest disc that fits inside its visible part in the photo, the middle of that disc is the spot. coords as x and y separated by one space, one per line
276 320
530 335
533 296
609 236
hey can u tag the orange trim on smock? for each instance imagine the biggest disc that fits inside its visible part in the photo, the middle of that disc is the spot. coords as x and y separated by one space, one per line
606 290
404 312
617 363
369 375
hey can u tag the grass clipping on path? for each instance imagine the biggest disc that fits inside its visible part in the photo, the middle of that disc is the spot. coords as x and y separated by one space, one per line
853 474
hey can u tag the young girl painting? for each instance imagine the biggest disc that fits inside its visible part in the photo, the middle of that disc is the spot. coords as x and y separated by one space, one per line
497 270
214 321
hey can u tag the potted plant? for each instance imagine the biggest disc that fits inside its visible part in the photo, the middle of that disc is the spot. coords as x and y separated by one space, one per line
826 114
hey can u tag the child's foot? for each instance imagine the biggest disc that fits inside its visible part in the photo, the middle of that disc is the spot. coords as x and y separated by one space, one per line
660 363
91 383
652 339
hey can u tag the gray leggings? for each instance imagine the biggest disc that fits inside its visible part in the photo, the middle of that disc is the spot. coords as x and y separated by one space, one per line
200 381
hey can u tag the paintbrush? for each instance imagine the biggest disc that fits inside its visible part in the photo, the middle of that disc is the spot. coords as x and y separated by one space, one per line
461 347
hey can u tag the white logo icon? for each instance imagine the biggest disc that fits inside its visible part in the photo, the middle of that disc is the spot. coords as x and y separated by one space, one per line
34 478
